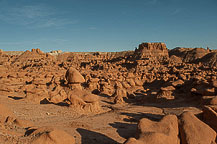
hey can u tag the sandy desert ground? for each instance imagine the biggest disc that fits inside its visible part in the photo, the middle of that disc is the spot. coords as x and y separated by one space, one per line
150 95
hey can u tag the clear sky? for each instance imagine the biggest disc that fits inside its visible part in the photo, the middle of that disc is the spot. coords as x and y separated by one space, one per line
106 25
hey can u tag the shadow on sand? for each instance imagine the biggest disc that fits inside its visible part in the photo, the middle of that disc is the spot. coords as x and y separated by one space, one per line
125 130
91 137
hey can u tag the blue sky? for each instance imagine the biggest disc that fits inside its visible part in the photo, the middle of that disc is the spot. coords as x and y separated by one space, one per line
106 25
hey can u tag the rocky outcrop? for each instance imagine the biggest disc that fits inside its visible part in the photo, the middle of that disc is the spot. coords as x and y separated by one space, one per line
55 52
152 50
35 54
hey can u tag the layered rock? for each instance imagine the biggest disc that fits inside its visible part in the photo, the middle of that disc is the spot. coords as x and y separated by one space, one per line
151 50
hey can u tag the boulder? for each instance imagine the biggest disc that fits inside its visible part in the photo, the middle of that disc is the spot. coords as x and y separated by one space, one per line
36 94
163 132
73 76
45 135
194 131
210 116
89 98
57 95
84 100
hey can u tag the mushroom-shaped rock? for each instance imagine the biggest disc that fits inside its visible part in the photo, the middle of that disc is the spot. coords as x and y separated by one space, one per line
73 76
166 93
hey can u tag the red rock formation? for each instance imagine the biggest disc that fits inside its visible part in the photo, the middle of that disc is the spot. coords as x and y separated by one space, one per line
149 50
194 131
150 132
46 135
210 116
189 54
98 79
